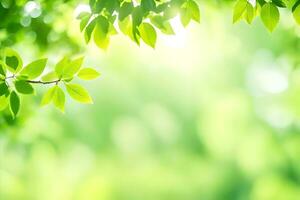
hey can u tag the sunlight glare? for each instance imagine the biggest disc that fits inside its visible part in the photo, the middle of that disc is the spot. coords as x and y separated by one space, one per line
179 40
81 8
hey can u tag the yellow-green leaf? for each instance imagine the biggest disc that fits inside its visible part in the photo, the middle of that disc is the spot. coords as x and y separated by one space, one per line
270 16
50 76
3 102
78 93
72 68
48 96
250 13
88 74
59 98
296 14
239 10
101 36
61 65
34 69
148 34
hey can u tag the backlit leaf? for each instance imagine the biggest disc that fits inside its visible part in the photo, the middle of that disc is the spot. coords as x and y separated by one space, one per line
78 93
270 16
88 74
34 69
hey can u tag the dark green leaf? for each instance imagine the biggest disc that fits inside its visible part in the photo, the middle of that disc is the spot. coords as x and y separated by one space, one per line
24 87
14 103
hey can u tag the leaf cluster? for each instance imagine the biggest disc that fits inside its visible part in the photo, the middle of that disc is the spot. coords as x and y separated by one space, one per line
138 20
268 10
17 79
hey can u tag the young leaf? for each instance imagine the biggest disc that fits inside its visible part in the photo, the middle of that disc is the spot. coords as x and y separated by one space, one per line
84 21
88 74
250 13
78 93
239 10
51 76
296 14
125 10
2 69
13 60
148 34
89 30
162 24
270 16
48 96
14 103
189 11
59 98
34 69
126 27
3 102
61 65
72 68
83 14
101 36
194 10
24 87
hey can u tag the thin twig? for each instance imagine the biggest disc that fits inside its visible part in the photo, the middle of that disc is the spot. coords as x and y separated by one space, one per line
41 82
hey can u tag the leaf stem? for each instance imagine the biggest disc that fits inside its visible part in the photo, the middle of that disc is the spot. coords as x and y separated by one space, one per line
45 83
36 82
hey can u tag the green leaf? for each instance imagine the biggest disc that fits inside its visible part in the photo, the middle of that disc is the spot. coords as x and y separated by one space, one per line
296 14
137 16
126 27
72 68
125 10
78 93
2 69
14 103
51 76
148 34
24 87
13 60
279 3
48 96
3 88
148 5
89 30
270 16
55 95
88 74
239 10
3 102
250 13
34 69
189 11
162 24
296 4
101 36
84 21
194 9
59 98
61 65
83 15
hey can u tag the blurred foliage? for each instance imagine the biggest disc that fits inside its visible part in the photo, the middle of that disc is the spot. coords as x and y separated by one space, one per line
37 21
213 113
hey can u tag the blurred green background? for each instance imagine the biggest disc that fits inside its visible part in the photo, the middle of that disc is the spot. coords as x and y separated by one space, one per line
212 113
